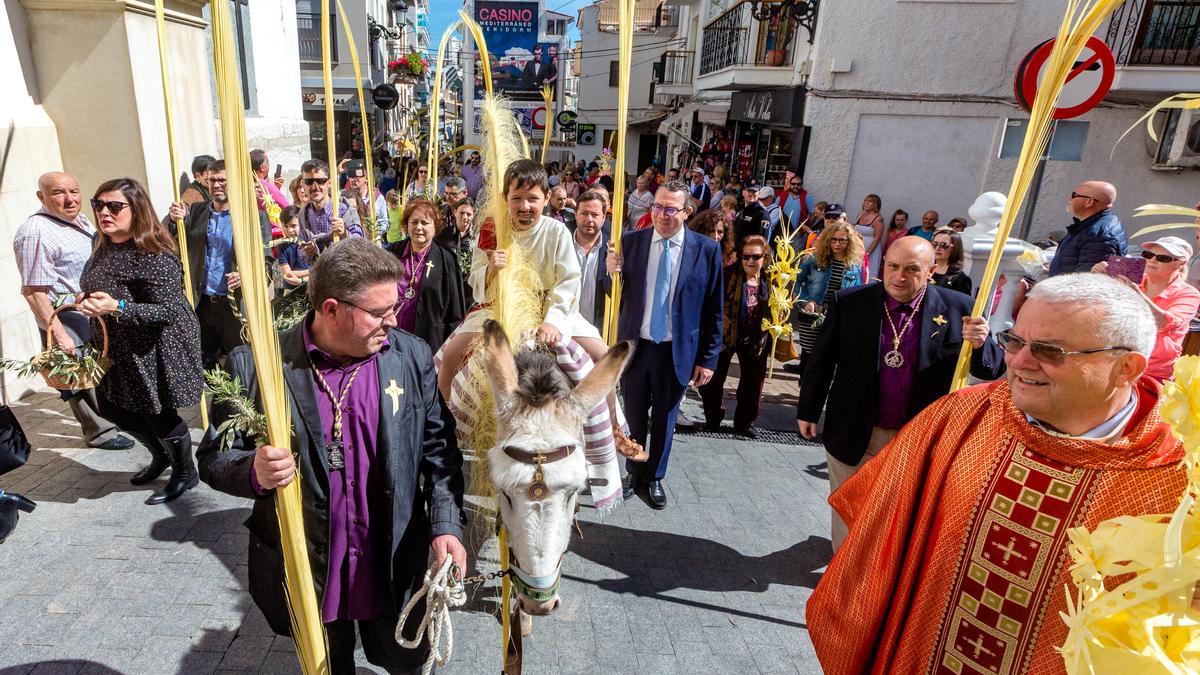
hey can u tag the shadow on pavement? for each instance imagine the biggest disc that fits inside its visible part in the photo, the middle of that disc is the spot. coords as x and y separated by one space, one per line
655 563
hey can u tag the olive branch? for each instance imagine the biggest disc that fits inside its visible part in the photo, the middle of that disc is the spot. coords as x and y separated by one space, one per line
227 390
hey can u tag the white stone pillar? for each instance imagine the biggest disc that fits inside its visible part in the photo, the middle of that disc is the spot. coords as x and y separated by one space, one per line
978 242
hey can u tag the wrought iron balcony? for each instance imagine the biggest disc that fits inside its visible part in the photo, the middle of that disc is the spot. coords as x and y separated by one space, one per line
1156 33
674 68
308 32
647 17
737 39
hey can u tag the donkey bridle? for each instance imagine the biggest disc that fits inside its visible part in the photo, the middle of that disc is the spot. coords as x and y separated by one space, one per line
537 490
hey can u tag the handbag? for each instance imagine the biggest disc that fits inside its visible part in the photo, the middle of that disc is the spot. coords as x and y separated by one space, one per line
14 446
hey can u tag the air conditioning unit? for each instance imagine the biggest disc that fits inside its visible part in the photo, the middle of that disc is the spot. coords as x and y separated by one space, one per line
1180 144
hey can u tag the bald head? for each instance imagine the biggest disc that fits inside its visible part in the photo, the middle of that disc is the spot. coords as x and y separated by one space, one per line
1091 197
907 267
59 194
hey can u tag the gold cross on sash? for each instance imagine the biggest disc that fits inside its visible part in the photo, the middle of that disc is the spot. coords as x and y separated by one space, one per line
395 392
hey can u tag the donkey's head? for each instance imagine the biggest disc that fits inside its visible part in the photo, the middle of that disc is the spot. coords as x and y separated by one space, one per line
538 465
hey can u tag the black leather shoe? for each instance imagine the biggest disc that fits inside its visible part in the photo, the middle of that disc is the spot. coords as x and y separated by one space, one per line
629 486
118 442
746 433
658 496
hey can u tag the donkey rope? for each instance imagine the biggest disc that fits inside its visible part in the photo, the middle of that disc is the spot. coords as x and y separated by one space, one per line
443 591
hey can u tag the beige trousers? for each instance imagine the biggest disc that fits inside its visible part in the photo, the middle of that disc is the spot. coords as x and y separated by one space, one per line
839 473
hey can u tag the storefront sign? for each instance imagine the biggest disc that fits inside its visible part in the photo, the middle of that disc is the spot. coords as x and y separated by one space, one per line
316 98
781 107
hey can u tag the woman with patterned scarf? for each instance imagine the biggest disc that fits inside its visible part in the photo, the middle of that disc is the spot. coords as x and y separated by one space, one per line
746 292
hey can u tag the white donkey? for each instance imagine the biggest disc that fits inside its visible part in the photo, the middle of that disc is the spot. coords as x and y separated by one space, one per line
537 465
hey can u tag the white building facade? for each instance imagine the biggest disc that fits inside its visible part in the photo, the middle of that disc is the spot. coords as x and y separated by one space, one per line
913 100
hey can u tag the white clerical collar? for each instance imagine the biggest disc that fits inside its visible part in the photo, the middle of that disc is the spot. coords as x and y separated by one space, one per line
1107 431
676 239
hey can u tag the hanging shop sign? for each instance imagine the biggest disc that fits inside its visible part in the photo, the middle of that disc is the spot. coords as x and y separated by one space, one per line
781 107
385 96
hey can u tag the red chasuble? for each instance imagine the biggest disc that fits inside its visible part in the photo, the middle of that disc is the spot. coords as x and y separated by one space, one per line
957 556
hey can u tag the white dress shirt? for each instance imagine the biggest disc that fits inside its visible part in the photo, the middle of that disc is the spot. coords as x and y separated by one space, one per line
656 249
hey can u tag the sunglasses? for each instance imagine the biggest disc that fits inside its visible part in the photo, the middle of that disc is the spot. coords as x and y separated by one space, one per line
941 245
113 207
315 181
668 211
1046 353
752 256
1160 257
1076 195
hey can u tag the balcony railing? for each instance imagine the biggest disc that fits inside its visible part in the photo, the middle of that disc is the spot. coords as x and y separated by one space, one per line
674 68
308 32
647 18
1156 33
736 39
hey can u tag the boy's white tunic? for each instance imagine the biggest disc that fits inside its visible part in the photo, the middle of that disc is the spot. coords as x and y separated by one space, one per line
551 249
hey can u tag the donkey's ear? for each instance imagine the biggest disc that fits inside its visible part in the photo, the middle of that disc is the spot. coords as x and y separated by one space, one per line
501 367
595 387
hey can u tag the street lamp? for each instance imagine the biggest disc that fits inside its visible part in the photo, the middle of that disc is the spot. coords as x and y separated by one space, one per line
803 12
376 30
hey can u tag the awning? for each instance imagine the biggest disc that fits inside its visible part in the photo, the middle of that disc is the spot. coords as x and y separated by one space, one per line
646 121
713 115
677 118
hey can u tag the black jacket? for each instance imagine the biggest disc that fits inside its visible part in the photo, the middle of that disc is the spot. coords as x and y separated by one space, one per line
440 305
844 366
750 220
423 469
603 283
195 223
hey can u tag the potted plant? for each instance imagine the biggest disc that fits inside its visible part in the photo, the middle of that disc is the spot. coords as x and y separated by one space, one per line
408 68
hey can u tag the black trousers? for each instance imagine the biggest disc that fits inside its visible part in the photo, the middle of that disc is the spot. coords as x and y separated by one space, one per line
753 373
379 644
220 330
652 396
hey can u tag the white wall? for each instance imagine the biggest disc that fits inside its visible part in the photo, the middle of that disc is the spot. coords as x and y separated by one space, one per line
919 121
34 150
279 128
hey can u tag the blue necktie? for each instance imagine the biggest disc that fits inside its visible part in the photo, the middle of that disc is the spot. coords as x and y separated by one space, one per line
662 289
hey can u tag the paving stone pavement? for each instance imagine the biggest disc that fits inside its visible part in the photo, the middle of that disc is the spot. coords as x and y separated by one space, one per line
94 581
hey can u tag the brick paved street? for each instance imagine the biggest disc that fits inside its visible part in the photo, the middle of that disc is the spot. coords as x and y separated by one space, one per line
95 581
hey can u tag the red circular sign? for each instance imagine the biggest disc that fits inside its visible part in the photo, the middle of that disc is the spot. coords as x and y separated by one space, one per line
1087 84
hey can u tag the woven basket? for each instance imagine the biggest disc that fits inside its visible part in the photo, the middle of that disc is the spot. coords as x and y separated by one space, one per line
56 381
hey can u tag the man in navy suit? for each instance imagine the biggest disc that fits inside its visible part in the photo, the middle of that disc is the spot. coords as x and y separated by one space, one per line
885 352
671 306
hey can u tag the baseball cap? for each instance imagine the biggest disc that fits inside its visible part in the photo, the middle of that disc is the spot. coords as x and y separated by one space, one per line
355 168
1173 246
834 211
766 192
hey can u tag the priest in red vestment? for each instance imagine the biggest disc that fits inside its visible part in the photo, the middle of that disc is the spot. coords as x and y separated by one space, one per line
957 558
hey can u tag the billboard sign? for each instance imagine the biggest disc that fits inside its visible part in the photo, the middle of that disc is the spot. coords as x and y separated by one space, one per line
520 64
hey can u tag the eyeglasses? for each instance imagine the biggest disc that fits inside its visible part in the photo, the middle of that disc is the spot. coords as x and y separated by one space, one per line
839 240
384 316
113 207
1076 195
668 211
941 245
752 256
1160 257
217 181
1046 353
315 181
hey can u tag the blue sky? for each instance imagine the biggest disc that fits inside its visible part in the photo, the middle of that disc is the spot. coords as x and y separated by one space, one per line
442 13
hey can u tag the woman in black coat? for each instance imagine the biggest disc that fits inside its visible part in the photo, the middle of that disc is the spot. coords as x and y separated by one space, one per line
948 258
431 303
134 284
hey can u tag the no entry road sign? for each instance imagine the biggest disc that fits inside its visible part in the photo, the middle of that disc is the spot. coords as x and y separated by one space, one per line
1087 83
